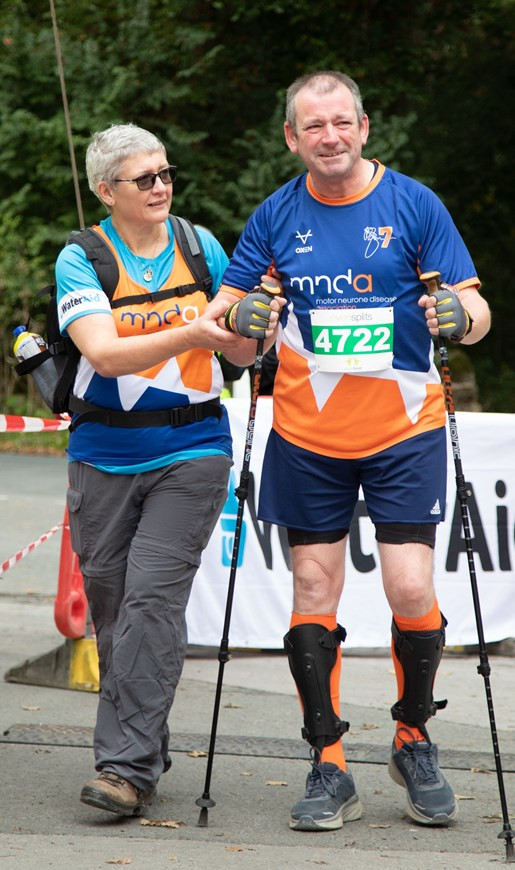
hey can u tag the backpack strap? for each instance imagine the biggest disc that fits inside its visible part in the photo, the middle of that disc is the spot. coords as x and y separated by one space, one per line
141 298
179 416
191 249
100 256
102 259
67 378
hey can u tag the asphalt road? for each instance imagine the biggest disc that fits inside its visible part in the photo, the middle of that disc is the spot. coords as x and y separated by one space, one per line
260 764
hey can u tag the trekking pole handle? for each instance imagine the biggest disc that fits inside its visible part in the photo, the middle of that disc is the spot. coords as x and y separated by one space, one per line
271 290
432 280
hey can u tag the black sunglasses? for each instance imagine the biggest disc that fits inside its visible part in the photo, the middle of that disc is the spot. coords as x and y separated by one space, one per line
147 181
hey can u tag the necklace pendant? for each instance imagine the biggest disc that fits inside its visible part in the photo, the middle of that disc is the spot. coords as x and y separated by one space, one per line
147 276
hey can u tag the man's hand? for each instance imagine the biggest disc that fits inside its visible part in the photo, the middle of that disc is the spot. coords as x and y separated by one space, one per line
251 317
445 314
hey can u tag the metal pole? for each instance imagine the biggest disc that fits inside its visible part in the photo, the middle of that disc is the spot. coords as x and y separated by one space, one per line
432 281
223 653
67 116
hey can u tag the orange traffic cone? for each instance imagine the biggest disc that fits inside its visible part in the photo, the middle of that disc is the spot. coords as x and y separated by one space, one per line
71 605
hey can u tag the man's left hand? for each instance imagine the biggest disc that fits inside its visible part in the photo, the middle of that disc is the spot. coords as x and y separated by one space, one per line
445 314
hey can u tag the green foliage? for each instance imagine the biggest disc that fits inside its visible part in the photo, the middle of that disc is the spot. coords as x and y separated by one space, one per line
209 78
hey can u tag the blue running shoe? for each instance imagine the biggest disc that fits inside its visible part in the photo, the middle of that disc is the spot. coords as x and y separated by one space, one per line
430 798
329 801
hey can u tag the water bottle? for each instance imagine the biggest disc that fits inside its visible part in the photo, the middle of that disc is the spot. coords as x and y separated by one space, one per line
29 344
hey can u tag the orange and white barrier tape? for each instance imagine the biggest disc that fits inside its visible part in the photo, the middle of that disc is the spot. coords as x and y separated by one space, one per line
26 550
14 423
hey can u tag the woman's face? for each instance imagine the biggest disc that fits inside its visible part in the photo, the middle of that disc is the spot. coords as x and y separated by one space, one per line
135 206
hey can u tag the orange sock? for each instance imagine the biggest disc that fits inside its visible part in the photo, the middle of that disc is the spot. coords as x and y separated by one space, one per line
333 753
430 621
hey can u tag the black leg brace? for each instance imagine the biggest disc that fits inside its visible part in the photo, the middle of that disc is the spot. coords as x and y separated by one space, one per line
419 653
312 650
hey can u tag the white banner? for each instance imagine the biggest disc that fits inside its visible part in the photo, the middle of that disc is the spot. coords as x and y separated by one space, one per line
263 588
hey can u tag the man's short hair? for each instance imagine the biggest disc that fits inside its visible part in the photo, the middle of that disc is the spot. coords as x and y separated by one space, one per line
321 82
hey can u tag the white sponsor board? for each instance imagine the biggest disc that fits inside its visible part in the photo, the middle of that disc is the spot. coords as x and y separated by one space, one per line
263 588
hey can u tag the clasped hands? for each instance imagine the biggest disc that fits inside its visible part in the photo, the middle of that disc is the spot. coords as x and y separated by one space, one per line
256 315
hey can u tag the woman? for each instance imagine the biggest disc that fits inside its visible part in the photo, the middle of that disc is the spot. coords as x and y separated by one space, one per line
144 499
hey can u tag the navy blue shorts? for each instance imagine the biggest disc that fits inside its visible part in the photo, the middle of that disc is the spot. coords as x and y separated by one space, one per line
404 484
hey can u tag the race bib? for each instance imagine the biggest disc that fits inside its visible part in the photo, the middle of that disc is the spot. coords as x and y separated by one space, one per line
352 339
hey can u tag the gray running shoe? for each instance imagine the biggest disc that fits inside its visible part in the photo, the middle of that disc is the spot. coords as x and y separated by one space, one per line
329 801
430 798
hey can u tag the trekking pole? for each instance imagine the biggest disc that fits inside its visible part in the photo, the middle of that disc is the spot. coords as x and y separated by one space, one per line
432 282
223 653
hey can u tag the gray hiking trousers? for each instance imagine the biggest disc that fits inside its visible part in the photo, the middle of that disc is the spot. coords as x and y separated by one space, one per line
139 539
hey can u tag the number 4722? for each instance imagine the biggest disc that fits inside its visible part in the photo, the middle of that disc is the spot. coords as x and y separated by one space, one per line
361 339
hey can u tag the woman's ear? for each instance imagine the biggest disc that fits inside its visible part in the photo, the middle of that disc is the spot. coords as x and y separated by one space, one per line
105 193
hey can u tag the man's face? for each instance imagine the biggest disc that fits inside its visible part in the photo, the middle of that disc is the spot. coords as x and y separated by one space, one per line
329 138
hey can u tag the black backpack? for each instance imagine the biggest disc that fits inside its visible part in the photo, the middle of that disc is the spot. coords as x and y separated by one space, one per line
66 355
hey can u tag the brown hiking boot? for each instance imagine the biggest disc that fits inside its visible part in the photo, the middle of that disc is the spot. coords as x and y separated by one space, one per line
116 795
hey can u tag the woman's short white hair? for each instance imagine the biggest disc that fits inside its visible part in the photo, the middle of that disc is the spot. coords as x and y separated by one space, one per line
109 149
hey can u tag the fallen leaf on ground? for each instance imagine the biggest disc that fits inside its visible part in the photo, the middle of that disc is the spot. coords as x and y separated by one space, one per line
480 770
464 797
275 782
197 753
496 817
31 707
234 849
379 826
119 861
162 823
232 707
245 773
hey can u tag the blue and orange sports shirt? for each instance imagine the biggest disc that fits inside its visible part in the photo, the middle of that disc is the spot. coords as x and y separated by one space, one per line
357 258
191 377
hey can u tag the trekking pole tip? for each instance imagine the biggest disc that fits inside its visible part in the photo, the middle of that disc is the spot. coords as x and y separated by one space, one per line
202 819
204 802
507 834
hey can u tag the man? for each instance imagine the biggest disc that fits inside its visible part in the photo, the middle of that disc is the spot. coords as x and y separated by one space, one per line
358 402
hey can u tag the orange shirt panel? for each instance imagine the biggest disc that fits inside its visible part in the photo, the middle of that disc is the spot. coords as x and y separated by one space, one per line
361 416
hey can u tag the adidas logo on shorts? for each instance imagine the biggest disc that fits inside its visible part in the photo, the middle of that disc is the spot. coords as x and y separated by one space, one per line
436 507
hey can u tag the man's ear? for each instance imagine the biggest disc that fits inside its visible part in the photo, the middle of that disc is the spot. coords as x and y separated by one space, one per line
364 129
291 138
